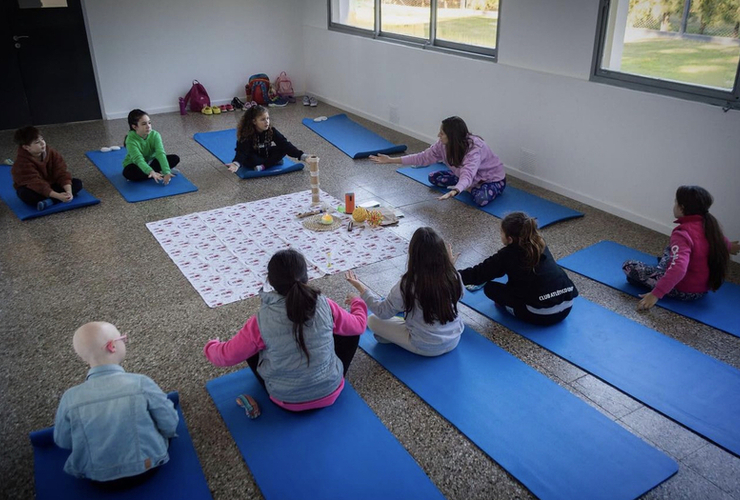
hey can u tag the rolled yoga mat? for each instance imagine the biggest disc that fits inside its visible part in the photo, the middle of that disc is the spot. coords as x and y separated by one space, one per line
602 262
683 384
111 164
222 145
552 442
179 478
342 451
25 212
511 200
351 138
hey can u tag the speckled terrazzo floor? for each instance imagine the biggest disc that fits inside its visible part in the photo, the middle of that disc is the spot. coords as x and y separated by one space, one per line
101 263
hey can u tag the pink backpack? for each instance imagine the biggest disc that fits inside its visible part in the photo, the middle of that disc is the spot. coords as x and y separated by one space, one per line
283 86
198 97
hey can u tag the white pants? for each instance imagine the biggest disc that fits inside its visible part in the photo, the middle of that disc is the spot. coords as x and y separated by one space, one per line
394 331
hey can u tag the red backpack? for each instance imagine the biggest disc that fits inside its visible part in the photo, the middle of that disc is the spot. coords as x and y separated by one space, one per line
198 97
283 86
258 89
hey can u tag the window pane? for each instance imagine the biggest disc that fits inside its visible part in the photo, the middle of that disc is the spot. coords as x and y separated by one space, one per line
407 17
663 39
471 22
357 13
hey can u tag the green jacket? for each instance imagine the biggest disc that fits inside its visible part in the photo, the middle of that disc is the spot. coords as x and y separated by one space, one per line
142 151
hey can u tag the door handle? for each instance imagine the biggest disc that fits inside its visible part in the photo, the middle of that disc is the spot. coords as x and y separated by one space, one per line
18 37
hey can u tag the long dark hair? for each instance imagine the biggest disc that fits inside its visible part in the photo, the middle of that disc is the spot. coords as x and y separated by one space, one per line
458 140
288 274
695 200
133 119
522 229
431 278
246 130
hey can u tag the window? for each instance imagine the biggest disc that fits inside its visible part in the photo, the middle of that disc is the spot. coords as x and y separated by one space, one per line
686 48
463 25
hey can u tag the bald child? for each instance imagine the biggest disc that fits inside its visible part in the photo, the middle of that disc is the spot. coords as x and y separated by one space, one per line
117 424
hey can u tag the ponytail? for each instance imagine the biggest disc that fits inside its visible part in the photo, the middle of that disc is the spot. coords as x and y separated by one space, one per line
719 256
300 304
523 230
288 274
695 200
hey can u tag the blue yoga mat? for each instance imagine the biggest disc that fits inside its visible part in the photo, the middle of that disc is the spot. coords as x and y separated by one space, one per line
352 138
24 212
179 478
603 262
221 144
511 200
342 451
548 439
111 164
680 382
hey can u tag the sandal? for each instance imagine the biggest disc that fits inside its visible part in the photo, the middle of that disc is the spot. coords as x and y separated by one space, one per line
207 110
215 110
250 406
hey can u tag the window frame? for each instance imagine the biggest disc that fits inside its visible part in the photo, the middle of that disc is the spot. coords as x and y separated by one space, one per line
726 99
432 43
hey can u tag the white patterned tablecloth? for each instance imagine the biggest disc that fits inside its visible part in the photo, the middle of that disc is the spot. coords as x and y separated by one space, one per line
224 252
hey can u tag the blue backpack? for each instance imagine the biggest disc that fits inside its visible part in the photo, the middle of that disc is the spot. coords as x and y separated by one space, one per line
258 89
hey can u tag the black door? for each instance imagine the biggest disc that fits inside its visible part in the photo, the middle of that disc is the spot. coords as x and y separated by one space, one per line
48 70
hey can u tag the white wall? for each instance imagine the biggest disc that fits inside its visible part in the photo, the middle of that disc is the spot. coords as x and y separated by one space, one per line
146 53
620 150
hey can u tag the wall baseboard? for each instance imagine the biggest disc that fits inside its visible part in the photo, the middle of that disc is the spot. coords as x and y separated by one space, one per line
164 109
537 181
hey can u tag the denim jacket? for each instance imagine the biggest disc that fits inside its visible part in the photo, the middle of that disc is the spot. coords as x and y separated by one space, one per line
117 424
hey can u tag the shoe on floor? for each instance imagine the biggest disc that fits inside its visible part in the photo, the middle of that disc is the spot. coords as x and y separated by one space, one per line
306 100
278 102
215 110
313 102
237 103
207 110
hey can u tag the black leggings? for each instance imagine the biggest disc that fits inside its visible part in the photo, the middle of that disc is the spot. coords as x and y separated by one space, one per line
498 292
31 197
344 347
132 171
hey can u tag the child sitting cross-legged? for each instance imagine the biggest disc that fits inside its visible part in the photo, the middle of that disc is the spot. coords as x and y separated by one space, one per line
300 344
117 424
537 291
259 145
40 176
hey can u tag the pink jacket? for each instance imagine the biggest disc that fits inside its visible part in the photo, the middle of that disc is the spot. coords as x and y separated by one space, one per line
479 165
688 270
248 342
